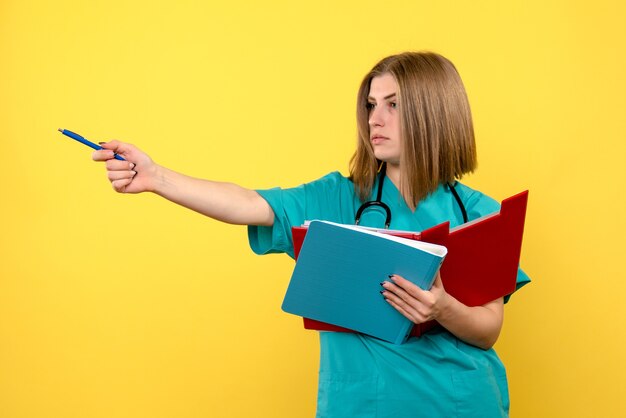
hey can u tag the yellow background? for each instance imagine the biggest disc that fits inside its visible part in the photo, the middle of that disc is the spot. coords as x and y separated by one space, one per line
128 306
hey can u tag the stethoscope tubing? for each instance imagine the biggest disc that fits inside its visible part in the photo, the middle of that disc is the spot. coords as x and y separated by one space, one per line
379 203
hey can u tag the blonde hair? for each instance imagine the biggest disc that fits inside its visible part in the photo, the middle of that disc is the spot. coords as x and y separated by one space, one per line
436 126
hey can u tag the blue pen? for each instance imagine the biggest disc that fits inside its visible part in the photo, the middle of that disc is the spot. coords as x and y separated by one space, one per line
86 142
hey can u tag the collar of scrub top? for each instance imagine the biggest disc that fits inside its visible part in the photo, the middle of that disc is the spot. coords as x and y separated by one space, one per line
379 203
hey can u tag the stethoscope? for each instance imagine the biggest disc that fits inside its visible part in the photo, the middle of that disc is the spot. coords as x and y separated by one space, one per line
379 203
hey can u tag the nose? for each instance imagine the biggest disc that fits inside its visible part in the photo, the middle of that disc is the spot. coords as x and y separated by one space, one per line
376 117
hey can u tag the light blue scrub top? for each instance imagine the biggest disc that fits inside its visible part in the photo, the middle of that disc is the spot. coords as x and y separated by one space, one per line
436 375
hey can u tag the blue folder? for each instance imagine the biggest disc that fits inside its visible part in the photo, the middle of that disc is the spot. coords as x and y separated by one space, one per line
338 274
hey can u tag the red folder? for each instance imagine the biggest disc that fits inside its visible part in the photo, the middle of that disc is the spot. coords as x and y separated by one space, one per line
482 260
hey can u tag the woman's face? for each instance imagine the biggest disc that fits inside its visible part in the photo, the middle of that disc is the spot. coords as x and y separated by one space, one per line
384 119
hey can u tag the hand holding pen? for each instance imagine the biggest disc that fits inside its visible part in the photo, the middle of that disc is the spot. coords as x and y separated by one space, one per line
136 173
123 162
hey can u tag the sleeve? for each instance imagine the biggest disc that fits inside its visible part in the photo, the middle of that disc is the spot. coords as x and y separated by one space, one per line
522 280
319 199
289 210
477 205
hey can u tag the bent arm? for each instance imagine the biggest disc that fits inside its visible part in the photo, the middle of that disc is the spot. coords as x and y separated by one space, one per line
224 202
476 325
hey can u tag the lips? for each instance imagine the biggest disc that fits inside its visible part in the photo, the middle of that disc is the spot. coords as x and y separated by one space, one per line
378 139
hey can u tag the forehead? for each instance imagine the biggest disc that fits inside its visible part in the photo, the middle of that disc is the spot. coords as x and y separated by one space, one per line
382 86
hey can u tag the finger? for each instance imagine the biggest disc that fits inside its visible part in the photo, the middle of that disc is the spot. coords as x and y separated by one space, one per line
401 310
420 304
397 291
400 297
409 287
114 145
120 185
406 310
117 165
414 311
120 148
119 175
102 155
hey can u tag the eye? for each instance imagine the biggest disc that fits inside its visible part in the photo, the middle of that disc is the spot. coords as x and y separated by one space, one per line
393 105
370 105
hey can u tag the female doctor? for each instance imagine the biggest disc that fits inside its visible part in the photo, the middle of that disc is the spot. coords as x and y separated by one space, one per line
415 139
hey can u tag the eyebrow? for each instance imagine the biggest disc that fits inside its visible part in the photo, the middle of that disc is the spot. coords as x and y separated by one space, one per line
384 98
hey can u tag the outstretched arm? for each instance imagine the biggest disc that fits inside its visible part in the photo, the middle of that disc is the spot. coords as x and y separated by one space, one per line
224 202
476 325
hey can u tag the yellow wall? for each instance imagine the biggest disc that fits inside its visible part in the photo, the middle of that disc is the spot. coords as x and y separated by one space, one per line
127 306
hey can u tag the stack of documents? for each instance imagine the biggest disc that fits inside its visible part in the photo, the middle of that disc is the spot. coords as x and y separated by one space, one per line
338 274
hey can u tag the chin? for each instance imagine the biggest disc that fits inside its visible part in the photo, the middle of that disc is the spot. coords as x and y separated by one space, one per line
386 158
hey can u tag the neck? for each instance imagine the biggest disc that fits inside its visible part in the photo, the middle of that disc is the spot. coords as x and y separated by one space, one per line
393 173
